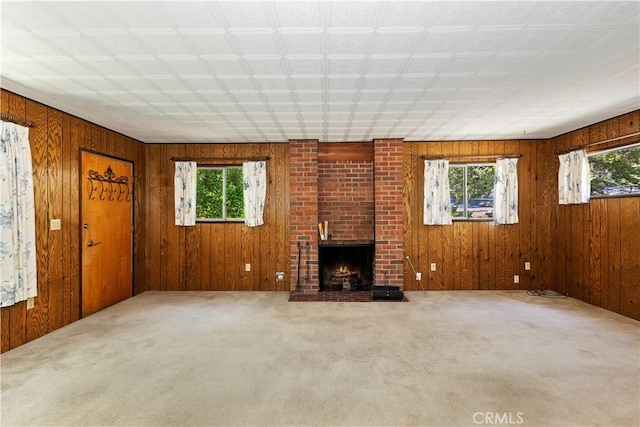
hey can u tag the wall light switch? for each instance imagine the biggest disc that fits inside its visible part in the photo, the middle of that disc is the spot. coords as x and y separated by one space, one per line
247 267
55 224
30 303
527 265
418 276
433 266
516 279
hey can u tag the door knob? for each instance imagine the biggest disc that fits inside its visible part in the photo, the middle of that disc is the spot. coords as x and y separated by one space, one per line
92 243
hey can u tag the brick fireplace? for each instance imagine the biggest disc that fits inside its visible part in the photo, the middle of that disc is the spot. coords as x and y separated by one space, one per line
357 188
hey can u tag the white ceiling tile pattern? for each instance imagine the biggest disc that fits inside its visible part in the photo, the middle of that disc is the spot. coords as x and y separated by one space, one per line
218 71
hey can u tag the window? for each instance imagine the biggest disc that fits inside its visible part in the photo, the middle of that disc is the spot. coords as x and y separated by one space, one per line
471 188
615 172
219 194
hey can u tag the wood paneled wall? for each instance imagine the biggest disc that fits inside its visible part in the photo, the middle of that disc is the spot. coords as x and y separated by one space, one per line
478 254
56 141
212 256
597 245
591 252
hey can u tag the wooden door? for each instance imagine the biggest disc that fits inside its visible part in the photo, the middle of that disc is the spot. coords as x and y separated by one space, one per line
107 231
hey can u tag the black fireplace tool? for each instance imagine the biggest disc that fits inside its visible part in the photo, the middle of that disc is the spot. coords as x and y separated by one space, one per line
298 281
308 249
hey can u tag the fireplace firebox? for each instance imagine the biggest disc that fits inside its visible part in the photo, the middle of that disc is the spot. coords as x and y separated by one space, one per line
345 266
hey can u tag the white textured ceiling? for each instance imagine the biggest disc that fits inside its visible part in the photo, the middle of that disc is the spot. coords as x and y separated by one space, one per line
337 71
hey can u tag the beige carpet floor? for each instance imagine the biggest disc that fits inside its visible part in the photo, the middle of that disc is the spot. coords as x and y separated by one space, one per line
442 359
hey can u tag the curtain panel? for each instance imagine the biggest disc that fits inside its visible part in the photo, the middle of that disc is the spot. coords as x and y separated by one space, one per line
18 271
437 198
574 178
185 193
505 192
254 176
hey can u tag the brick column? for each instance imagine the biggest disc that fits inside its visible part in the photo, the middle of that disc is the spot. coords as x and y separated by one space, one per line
303 197
389 222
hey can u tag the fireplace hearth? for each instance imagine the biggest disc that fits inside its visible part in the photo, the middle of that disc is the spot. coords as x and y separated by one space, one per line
345 266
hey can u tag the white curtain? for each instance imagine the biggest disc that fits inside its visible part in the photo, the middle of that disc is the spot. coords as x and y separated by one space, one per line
18 275
574 179
185 193
254 175
437 199
505 192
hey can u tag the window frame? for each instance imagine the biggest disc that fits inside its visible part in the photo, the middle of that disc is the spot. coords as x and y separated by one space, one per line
466 195
224 218
610 150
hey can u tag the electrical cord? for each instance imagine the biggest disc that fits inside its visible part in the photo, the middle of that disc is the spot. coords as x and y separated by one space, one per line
542 292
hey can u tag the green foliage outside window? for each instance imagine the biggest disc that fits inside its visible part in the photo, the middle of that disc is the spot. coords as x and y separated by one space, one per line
219 193
235 193
471 188
616 172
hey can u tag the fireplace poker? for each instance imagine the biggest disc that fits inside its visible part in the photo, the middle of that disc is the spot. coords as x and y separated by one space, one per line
298 281
415 273
308 249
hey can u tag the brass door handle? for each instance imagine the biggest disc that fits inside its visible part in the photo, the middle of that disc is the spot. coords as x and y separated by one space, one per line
92 243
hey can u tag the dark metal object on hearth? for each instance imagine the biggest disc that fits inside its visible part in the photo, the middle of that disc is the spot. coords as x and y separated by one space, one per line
298 281
109 186
308 271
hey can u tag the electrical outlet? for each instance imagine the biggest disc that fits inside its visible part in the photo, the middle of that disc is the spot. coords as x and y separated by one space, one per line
247 267
527 266
516 279
280 276
55 224
30 303
418 276
433 266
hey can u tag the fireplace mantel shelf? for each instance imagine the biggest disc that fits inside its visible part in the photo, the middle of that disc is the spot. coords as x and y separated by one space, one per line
345 242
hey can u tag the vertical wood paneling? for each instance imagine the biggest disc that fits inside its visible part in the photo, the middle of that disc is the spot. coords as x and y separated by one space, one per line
154 241
174 248
408 170
54 148
533 208
630 258
139 215
65 159
78 133
38 317
614 248
524 215
419 239
597 222
55 142
281 233
596 243
472 254
417 166
212 256
267 236
547 197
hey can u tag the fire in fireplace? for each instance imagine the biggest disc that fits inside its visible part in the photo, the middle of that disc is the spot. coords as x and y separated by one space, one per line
346 267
